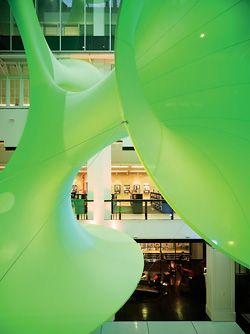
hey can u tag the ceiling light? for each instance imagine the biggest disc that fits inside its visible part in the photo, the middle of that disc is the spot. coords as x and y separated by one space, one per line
137 171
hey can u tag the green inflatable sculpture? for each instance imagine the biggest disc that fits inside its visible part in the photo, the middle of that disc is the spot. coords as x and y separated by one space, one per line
181 90
183 68
58 276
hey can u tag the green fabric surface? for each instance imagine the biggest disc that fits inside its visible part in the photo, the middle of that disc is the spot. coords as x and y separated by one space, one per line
56 275
183 72
181 88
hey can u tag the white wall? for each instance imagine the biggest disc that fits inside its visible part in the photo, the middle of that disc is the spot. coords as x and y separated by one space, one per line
220 283
12 122
132 179
153 229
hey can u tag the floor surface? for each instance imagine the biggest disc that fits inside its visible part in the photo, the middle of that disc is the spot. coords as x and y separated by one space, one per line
172 306
169 327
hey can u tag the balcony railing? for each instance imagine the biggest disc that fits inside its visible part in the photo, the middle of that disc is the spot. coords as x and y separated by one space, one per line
127 209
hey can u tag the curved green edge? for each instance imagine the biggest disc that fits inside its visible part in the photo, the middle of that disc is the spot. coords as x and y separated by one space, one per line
183 72
56 275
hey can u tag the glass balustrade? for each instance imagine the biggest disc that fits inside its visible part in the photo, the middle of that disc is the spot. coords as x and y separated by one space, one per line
143 209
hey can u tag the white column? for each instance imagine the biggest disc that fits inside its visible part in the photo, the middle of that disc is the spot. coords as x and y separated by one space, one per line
220 285
99 186
98 19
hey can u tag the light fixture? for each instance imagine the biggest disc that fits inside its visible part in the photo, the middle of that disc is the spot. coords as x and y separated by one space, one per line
137 166
137 171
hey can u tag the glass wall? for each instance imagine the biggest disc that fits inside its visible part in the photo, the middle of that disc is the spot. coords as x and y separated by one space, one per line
15 38
98 17
73 25
48 13
68 25
4 25
115 6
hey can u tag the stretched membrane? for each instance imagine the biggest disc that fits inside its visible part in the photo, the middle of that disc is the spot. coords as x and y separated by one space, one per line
181 86
184 74
58 276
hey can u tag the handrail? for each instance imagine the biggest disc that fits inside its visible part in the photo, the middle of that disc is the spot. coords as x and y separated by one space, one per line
116 208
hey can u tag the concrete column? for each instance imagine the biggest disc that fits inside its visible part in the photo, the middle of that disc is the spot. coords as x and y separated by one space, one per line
220 285
99 186
98 18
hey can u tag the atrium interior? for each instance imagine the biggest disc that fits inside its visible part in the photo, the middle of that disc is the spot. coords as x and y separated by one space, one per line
187 284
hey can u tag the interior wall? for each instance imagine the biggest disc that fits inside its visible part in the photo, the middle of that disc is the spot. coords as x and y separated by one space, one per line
12 123
131 179
122 179
79 182
4 155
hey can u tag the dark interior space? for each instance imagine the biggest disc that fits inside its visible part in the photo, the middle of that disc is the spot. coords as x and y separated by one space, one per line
242 297
172 286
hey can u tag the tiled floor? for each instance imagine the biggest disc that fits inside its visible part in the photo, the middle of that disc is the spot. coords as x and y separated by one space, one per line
169 327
